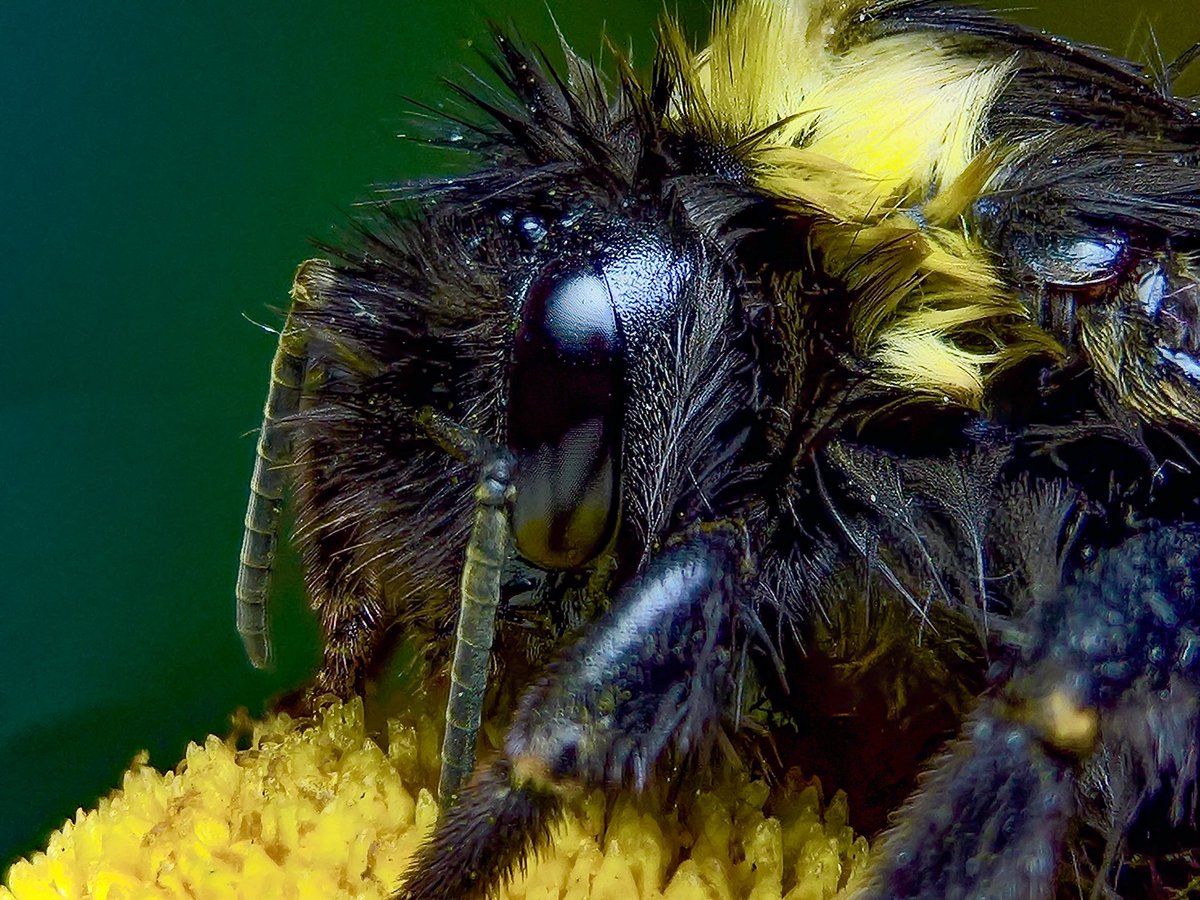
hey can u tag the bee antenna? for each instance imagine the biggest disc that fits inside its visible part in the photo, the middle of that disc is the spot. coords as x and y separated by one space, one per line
479 595
272 455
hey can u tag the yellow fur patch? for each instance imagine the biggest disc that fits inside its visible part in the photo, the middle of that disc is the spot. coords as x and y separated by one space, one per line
878 144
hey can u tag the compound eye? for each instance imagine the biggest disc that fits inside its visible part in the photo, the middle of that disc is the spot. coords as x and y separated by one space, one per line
563 420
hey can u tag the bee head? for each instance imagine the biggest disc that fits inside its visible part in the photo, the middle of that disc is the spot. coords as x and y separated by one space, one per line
571 301
619 379
619 305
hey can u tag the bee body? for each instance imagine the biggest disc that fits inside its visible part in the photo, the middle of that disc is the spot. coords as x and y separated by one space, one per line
862 338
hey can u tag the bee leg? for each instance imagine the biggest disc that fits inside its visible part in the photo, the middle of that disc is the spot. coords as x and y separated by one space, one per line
988 821
1111 660
352 634
651 674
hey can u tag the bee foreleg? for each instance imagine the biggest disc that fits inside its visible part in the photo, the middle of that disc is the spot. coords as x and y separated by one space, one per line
353 631
650 675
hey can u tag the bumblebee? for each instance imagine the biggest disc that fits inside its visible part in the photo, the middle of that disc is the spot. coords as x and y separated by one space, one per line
852 358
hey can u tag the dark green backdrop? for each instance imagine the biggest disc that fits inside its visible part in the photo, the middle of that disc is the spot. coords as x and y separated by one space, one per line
163 166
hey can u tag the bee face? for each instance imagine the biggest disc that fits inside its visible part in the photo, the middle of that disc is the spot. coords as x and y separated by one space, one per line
823 341
590 332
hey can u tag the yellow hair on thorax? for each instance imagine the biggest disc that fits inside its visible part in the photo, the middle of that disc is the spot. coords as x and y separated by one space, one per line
764 58
904 113
877 143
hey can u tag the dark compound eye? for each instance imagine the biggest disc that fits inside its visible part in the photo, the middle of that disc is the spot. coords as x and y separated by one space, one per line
564 419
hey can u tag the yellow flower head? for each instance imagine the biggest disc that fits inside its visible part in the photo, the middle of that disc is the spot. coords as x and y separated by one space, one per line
319 810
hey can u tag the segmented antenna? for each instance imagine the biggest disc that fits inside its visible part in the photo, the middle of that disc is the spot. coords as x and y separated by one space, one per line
480 596
273 454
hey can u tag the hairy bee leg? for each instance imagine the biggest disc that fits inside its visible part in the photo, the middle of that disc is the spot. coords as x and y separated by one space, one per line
649 675
988 821
1113 658
352 633
272 456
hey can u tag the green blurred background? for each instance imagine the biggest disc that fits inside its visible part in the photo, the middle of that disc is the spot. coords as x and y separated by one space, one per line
164 165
